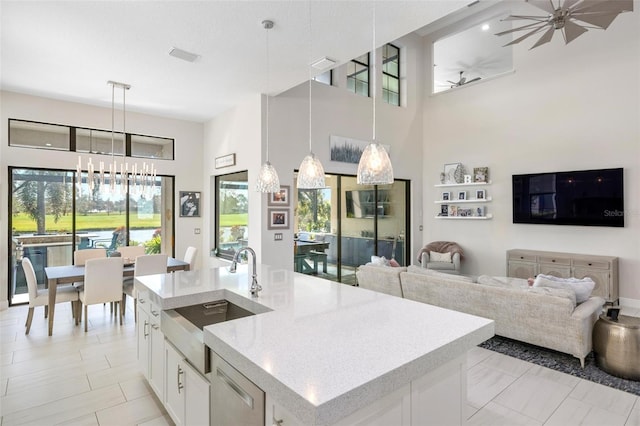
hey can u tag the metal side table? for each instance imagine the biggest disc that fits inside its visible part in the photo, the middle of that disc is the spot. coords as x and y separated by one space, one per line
616 345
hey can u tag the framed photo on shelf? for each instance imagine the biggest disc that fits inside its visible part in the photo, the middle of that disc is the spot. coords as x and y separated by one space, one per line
280 198
189 204
278 219
480 211
462 195
480 194
450 172
465 212
481 174
453 210
444 210
446 196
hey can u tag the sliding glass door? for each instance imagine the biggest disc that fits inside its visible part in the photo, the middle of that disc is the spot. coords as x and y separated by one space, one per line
346 224
52 215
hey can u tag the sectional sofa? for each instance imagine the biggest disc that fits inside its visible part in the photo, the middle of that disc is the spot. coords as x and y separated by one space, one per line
540 316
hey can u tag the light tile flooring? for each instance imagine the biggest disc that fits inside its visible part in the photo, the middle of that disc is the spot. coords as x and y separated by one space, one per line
74 378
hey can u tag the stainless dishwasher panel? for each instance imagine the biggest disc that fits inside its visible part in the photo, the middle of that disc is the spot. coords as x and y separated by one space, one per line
235 400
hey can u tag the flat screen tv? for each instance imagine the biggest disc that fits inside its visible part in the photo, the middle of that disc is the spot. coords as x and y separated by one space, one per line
583 197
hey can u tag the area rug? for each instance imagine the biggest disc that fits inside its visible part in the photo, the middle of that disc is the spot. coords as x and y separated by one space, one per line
560 362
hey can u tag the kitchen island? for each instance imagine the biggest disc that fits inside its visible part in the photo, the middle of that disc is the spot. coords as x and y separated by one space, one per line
328 353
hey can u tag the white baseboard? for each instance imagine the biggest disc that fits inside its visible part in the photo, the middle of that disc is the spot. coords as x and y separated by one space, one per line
629 303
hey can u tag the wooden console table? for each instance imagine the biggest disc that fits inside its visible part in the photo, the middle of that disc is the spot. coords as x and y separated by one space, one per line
603 270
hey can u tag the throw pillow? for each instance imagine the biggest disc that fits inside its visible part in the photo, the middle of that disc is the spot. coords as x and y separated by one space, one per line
394 263
434 256
379 260
581 287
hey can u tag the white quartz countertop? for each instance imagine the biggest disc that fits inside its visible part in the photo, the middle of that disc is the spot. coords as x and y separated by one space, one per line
321 349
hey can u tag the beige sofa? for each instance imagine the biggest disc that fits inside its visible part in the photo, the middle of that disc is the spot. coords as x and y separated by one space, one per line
540 316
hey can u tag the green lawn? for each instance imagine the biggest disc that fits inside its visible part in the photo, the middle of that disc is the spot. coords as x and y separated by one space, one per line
234 219
94 221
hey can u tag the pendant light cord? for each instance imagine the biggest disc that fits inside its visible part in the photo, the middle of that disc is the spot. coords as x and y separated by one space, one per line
310 73
373 72
267 25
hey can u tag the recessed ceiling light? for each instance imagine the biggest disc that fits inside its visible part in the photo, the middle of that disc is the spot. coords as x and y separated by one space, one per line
323 63
183 54
485 27
47 144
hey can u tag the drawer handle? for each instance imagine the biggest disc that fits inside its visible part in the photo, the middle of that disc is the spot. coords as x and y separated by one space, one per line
553 260
589 264
521 257
154 313
237 389
180 373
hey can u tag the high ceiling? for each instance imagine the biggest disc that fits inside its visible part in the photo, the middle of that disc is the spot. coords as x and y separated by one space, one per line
69 49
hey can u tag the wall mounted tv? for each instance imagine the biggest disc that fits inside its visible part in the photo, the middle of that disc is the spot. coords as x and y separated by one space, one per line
584 197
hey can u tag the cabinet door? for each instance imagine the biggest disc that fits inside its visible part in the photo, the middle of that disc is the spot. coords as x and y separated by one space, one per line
143 342
600 277
521 269
156 358
174 379
560 271
197 399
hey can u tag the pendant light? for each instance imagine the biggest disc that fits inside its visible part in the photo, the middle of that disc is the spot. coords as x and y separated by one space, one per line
310 172
375 166
268 180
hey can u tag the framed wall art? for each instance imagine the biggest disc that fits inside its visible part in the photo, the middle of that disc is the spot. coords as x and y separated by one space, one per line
189 204
280 198
278 219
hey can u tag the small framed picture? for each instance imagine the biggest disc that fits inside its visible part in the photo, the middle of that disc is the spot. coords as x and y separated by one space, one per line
481 174
462 195
446 196
278 219
450 172
480 211
480 194
280 198
453 210
444 210
189 204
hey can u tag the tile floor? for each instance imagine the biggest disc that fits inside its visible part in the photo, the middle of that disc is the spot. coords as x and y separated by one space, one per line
75 378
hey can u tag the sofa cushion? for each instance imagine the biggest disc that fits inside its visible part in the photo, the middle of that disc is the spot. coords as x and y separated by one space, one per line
430 272
555 292
434 256
509 282
581 287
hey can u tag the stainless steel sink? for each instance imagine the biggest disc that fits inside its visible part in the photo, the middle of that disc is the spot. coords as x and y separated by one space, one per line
183 328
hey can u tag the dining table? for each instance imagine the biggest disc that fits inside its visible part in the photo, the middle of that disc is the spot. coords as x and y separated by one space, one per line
57 275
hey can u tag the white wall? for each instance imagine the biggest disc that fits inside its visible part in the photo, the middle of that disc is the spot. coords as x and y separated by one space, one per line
188 156
567 107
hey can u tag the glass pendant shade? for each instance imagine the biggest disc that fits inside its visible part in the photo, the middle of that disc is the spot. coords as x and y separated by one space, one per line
375 166
311 173
268 180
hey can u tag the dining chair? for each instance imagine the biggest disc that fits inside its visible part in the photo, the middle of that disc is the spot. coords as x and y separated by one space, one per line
80 257
102 283
148 264
131 252
64 293
190 257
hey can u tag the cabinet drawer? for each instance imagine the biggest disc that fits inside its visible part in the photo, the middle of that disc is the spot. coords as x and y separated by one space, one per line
591 264
555 260
523 257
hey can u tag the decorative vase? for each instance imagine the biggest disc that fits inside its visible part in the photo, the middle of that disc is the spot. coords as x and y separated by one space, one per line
442 177
459 174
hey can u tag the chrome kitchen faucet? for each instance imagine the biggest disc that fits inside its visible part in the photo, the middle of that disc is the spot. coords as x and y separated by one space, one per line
255 287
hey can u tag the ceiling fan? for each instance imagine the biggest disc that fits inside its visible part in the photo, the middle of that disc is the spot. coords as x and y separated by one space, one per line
462 81
594 14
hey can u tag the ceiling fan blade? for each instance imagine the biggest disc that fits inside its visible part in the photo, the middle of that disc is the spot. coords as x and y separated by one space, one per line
568 4
518 40
600 20
571 31
605 6
535 24
546 38
546 5
531 17
473 79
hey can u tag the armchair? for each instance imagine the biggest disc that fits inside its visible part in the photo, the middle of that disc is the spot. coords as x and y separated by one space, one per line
442 250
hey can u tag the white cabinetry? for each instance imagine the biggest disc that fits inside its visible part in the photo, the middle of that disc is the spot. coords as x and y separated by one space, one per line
439 396
463 201
187 392
150 344
603 270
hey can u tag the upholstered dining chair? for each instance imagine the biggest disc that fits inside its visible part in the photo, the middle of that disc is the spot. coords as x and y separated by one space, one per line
64 293
190 257
131 252
148 264
102 284
80 257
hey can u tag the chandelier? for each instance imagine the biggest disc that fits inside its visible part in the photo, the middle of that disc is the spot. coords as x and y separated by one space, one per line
113 177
